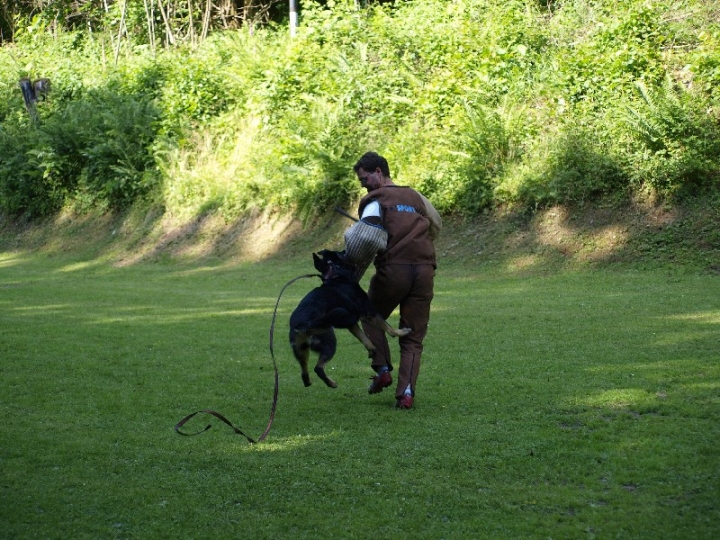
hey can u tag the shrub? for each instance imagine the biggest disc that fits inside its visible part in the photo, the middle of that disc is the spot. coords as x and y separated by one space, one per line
674 145
706 63
98 150
307 158
27 185
570 166
103 145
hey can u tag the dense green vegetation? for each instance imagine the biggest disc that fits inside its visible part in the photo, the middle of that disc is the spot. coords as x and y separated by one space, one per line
475 102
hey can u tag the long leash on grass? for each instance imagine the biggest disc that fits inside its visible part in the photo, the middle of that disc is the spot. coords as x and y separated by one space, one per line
273 407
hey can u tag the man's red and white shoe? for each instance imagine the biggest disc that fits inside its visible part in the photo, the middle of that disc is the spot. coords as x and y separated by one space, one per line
380 381
404 402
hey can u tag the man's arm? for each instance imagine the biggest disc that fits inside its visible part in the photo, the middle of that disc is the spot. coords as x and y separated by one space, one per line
371 213
434 217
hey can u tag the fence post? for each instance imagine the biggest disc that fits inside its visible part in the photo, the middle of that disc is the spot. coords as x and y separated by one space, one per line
293 17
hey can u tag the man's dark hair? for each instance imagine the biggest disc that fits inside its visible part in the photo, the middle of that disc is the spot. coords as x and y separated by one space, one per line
371 161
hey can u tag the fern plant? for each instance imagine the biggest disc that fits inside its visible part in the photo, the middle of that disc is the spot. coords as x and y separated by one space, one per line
675 146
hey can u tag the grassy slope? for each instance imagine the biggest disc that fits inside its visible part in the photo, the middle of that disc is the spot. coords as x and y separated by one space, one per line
634 232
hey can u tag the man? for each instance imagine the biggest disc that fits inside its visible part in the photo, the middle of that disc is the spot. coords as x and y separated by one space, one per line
404 271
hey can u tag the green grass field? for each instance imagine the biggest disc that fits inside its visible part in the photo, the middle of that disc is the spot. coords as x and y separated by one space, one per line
576 404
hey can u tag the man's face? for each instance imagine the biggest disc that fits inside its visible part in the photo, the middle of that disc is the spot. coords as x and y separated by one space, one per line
370 180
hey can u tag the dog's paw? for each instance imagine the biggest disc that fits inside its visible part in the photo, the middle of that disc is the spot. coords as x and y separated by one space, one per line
403 331
306 379
320 372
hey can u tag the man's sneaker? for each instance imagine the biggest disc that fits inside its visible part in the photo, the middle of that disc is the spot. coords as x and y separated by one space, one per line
404 402
380 381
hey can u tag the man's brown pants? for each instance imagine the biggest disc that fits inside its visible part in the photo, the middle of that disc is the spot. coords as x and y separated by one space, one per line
409 286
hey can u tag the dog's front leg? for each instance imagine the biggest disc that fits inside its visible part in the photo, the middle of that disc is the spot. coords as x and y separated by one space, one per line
378 322
356 331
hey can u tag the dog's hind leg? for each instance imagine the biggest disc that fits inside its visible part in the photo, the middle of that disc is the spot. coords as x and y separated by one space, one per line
325 344
320 372
301 349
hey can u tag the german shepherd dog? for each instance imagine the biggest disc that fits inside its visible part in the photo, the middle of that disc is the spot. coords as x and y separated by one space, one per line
339 302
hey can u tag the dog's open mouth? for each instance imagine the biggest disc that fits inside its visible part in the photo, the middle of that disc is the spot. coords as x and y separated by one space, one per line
327 274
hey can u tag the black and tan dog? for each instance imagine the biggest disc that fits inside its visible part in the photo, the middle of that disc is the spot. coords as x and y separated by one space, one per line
339 302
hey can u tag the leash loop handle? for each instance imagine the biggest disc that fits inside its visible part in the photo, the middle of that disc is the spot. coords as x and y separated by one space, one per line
216 415
273 407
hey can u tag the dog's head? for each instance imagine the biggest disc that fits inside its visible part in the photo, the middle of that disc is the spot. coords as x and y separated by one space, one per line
332 265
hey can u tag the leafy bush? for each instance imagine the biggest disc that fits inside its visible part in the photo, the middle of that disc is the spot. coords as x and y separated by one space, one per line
26 184
571 167
98 150
103 145
706 62
194 88
675 144
312 174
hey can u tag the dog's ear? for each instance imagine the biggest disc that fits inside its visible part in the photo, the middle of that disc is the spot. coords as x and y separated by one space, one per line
320 263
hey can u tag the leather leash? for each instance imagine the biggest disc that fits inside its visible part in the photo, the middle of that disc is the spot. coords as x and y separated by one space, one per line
344 213
273 407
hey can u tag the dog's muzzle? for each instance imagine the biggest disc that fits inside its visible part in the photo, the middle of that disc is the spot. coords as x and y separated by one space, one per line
362 243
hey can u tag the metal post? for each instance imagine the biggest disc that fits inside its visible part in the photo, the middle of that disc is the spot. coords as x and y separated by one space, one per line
293 17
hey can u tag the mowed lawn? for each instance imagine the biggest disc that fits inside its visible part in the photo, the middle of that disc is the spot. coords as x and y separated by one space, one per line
577 404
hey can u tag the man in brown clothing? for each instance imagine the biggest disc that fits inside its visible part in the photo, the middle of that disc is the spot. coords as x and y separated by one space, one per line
404 271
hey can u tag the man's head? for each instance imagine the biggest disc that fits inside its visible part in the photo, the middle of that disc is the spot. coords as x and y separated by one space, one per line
373 171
